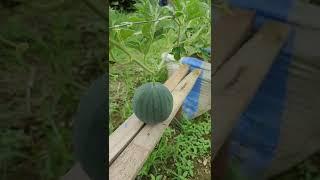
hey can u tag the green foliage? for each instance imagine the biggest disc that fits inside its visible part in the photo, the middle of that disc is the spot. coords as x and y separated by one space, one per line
123 5
176 152
182 31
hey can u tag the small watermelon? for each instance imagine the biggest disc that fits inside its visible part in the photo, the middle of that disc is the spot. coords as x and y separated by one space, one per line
152 103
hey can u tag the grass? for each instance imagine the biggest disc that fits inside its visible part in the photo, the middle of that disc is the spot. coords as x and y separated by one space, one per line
179 150
44 84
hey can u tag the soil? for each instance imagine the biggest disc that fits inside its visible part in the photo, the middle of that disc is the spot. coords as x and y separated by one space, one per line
203 169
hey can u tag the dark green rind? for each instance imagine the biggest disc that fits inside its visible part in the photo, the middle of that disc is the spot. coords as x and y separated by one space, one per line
152 103
90 135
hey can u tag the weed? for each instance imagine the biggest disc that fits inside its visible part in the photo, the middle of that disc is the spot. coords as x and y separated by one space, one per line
175 154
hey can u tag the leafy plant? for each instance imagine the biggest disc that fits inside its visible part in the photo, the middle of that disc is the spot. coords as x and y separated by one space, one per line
123 5
176 152
183 28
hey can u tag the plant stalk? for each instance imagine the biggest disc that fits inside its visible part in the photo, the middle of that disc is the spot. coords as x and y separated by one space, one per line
139 22
179 31
130 57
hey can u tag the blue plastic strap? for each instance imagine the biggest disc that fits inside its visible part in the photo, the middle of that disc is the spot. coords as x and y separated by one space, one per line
191 103
193 62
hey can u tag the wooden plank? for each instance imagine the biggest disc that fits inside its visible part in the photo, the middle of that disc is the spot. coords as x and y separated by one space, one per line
174 80
121 137
229 33
236 83
131 160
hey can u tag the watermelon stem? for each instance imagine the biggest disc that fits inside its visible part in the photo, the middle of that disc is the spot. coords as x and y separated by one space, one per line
140 22
142 65
130 56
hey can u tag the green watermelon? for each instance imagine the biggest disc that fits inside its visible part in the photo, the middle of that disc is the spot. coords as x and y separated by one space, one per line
152 103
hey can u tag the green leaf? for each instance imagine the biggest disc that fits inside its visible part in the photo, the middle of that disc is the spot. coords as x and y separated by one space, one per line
195 9
146 30
134 44
178 4
178 52
178 13
145 45
159 177
191 173
185 174
152 177
159 33
135 19
125 33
